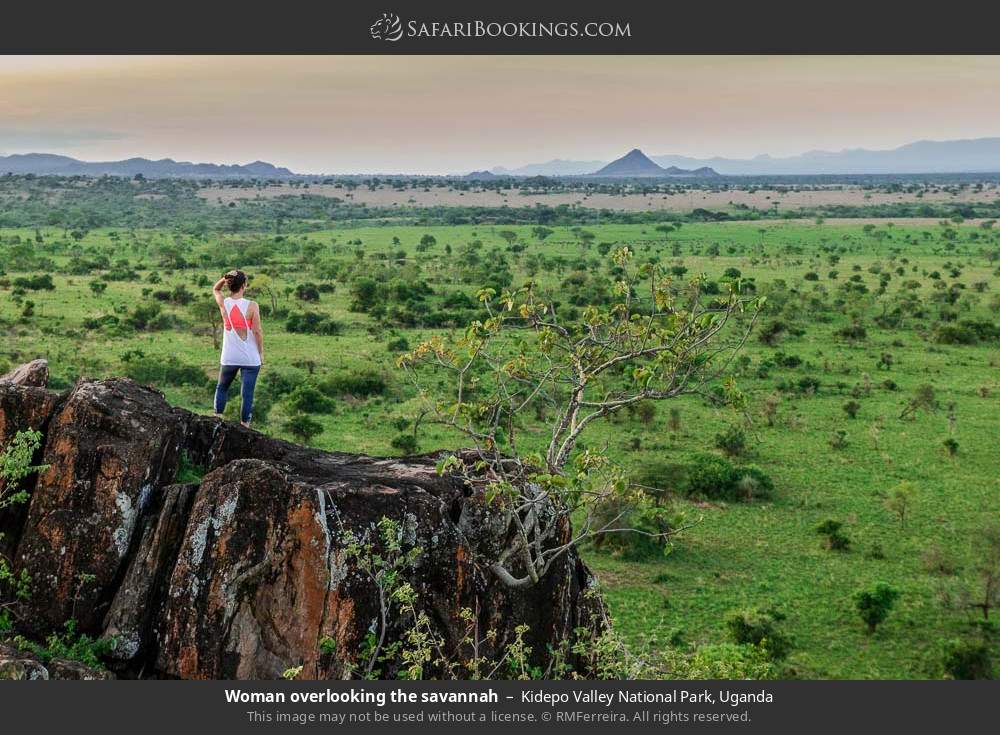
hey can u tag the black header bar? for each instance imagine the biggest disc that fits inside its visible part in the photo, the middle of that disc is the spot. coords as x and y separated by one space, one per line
510 27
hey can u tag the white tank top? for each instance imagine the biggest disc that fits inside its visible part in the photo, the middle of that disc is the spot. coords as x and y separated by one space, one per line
239 346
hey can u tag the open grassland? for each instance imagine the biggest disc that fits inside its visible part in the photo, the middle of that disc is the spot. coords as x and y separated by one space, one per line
680 198
855 315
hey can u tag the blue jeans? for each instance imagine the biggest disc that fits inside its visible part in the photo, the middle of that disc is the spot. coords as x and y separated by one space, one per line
248 381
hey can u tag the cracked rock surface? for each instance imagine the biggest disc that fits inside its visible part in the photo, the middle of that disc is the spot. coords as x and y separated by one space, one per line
243 574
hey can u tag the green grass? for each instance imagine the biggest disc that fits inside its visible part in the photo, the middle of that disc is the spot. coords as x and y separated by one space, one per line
761 554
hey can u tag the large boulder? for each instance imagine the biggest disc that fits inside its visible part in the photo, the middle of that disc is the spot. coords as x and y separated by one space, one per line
109 449
248 572
34 373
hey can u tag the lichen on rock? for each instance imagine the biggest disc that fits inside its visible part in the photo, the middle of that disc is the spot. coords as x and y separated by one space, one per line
244 574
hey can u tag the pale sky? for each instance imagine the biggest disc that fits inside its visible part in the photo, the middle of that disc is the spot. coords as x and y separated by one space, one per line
447 114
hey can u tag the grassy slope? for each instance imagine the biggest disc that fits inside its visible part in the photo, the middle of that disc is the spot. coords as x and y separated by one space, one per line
761 554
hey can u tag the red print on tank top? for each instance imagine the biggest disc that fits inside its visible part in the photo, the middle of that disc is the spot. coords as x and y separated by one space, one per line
235 320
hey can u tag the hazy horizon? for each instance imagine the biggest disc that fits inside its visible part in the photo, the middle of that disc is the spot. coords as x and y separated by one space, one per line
449 114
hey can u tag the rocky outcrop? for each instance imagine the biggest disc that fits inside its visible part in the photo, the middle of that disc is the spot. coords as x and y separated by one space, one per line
34 373
246 572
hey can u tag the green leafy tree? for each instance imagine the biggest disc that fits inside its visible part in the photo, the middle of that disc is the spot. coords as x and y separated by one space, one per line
658 339
900 501
875 604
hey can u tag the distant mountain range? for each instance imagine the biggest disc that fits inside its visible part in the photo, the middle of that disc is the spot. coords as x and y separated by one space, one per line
635 163
980 155
923 157
43 164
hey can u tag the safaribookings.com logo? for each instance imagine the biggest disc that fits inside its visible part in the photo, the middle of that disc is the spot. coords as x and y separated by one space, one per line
390 28
387 28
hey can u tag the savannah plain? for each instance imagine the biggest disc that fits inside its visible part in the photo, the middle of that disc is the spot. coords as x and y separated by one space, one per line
875 366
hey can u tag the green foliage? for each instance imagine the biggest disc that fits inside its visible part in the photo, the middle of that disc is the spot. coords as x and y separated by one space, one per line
719 563
732 442
41 282
406 444
900 501
165 371
760 628
307 398
188 473
71 645
968 659
836 539
731 661
16 464
303 428
362 383
875 604
714 477
311 322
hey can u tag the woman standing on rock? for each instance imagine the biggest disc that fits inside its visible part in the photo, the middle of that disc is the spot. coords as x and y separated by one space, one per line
240 353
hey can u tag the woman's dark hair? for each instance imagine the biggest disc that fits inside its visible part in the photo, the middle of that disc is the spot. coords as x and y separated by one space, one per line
235 280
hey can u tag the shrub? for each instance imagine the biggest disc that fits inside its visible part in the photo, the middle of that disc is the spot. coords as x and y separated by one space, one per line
808 385
188 473
307 292
951 446
875 604
42 282
985 330
760 628
398 345
149 317
968 660
660 477
875 552
307 398
405 443
752 482
364 293
303 428
674 419
836 540
711 476
771 333
955 334
732 442
69 645
95 323
716 478
852 332
160 371
16 464
651 519
358 383
646 412
851 408
725 661
309 322
838 440
787 361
